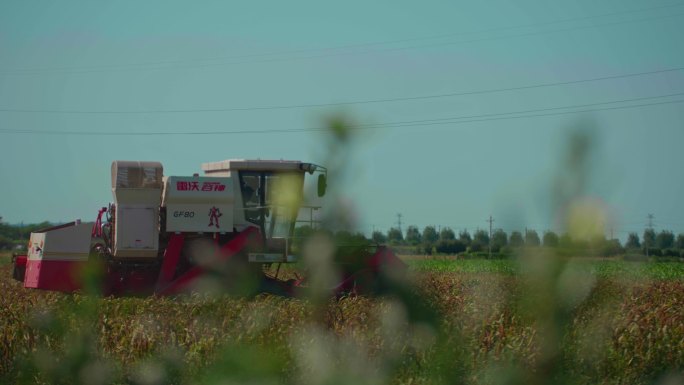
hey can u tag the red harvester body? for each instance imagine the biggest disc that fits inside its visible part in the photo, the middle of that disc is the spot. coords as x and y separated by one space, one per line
167 235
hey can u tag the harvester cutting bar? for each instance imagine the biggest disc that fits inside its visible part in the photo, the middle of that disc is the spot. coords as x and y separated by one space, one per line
171 257
368 278
384 258
57 256
231 248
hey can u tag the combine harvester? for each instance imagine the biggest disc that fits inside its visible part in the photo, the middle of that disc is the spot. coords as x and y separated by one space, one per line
163 235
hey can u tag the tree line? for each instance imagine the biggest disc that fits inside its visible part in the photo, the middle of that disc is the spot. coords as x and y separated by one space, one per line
446 241
14 237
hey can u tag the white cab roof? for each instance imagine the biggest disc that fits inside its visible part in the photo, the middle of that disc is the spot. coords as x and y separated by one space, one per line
251 165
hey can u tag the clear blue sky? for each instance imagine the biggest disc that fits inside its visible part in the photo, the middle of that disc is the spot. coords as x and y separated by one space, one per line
124 56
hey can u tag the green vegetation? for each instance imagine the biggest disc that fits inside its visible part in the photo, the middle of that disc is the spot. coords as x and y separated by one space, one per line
497 266
611 269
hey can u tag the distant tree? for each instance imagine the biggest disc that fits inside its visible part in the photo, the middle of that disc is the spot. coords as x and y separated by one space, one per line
499 240
464 236
343 235
447 234
597 241
633 241
378 237
532 238
550 239
664 240
303 231
611 247
451 246
648 239
19 234
5 243
516 239
565 241
616 242
679 243
480 241
394 236
430 235
413 235
350 243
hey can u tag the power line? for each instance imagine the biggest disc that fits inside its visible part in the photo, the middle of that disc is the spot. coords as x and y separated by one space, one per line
367 101
532 110
150 65
453 120
539 115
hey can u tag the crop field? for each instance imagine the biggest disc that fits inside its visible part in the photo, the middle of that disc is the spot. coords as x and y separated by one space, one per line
450 321
601 268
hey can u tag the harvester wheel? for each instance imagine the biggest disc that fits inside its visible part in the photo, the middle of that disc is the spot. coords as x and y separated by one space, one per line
97 269
18 272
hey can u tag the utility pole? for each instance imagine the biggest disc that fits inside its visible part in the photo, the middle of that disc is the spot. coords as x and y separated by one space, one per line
399 222
650 227
491 220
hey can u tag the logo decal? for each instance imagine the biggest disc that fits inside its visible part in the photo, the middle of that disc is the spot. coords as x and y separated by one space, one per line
195 186
214 215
